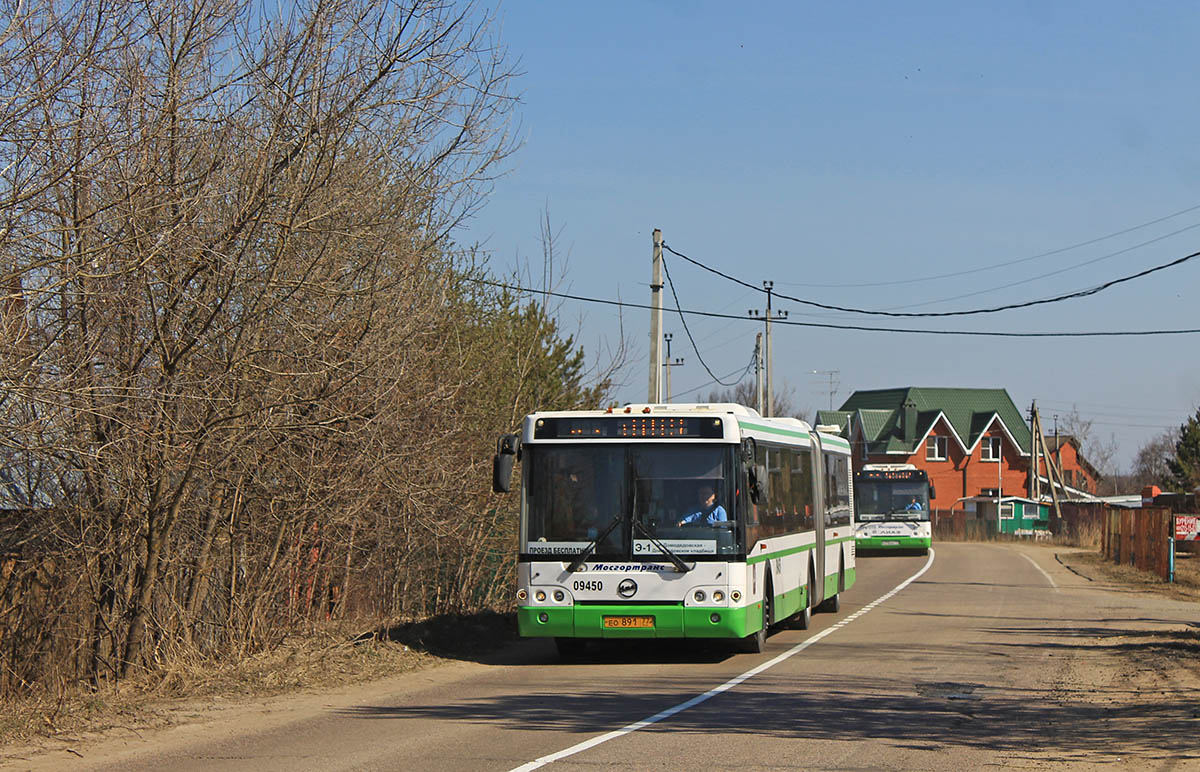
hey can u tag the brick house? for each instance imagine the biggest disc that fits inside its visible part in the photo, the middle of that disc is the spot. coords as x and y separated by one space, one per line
971 442
1079 475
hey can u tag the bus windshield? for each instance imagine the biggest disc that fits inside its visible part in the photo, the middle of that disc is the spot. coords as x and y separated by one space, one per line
678 492
892 500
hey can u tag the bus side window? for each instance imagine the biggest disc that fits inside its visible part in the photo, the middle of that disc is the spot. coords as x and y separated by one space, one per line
802 487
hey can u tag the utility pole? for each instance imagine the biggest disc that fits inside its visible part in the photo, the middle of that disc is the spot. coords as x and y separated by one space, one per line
768 408
668 363
656 286
1052 470
758 374
1035 460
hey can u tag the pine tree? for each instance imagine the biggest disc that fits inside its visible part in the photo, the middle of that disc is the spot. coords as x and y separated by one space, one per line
1184 466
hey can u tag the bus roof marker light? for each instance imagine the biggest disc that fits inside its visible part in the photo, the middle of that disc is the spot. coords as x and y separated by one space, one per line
646 409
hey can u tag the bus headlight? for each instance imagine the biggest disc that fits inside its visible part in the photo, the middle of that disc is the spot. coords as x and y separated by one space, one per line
559 595
540 596
718 596
699 596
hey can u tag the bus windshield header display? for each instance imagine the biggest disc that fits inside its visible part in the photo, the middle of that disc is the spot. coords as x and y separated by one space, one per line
892 474
629 427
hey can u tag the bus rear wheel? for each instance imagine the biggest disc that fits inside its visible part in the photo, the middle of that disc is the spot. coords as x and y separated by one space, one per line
832 604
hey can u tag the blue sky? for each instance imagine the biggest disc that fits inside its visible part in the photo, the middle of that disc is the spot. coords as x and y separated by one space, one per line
831 147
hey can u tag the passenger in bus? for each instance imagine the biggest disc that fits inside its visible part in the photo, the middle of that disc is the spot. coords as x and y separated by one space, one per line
710 511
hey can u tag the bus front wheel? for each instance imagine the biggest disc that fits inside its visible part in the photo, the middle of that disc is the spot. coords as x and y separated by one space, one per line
757 641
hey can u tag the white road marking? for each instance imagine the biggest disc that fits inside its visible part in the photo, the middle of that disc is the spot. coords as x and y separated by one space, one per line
1035 565
645 722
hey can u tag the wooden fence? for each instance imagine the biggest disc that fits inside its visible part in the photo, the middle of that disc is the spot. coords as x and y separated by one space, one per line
1132 537
1140 538
954 525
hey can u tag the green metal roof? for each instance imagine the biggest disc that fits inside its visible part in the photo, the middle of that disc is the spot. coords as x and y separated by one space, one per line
835 418
969 411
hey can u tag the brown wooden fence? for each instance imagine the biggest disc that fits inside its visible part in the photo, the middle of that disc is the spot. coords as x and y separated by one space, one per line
954 525
1140 538
1132 537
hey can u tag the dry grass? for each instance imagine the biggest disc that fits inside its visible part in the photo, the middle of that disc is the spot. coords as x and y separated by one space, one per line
1087 534
1185 587
324 659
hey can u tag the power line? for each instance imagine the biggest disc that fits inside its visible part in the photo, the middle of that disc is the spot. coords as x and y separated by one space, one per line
852 327
683 319
976 311
743 371
1053 273
1114 411
1020 260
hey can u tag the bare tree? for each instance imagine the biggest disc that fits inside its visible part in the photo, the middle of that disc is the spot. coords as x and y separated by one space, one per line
1101 453
743 393
1150 463
225 253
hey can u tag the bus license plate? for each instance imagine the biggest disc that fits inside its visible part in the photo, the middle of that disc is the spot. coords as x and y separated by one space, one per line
890 543
625 622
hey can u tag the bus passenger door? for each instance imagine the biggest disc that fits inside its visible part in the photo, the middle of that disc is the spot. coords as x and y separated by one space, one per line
819 517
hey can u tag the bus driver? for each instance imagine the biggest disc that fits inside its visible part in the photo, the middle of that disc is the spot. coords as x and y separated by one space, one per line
710 511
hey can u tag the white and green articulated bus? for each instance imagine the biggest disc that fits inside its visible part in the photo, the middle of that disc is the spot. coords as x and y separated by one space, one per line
676 521
891 508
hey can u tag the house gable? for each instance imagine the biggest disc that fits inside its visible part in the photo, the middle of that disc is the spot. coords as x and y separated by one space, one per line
969 412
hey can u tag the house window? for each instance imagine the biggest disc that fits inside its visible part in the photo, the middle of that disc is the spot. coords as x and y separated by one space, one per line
1006 511
989 449
936 448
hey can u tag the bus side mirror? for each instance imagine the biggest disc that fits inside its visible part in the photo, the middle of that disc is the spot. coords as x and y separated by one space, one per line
502 463
932 493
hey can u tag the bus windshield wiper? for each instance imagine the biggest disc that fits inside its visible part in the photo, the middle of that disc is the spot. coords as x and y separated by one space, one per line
677 561
587 551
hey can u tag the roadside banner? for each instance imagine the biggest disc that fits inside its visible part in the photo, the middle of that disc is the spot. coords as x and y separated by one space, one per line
1187 527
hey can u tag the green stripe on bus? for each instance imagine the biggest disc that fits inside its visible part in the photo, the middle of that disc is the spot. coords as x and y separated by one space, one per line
775 430
829 440
752 559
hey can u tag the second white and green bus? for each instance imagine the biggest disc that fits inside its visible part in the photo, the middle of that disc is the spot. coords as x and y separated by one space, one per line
891 508
607 550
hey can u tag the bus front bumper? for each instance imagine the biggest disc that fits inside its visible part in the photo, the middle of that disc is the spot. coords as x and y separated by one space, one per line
892 542
664 621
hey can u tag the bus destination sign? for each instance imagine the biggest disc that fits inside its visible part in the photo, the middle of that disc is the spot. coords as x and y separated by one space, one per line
892 474
631 427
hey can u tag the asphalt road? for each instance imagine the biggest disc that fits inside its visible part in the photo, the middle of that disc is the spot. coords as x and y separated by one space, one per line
995 656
